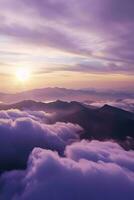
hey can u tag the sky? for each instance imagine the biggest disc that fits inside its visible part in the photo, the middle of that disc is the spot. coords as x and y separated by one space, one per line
72 44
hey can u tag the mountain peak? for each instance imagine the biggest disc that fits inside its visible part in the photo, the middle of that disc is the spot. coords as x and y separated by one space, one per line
107 107
116 112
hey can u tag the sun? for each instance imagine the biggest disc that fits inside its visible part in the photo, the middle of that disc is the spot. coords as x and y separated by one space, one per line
22 74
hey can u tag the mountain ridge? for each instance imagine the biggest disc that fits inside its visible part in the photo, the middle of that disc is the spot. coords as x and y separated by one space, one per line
107 122
54 93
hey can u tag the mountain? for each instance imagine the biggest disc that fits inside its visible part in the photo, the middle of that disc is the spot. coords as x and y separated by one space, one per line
115 112
52 94
45 94
107 122
51 107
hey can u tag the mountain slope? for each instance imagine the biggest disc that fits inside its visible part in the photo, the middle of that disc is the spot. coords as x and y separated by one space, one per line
101 123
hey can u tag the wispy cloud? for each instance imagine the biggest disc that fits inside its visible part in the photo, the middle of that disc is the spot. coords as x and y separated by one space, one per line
98 32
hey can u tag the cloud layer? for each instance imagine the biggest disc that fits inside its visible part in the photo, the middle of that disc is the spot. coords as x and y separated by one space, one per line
125 104
96 170
48 161
21 131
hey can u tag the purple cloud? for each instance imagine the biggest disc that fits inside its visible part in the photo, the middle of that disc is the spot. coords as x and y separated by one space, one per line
101 171
20 132
107 152
98 29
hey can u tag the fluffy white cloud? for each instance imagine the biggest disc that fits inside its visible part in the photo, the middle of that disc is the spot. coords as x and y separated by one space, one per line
102 171
59 166
35 115
107 152
20 132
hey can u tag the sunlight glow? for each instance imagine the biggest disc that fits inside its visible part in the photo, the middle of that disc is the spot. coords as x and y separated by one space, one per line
22 74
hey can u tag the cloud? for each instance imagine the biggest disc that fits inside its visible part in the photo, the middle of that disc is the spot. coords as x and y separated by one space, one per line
98 29
99 67
95 170
125 104
21 131
107 152
35 115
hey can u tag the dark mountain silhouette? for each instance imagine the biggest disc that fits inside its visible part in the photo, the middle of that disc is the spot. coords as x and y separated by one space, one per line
56 106
115 112
102 123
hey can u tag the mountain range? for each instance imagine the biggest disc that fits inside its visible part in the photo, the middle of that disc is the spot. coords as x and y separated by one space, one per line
52 94
103 123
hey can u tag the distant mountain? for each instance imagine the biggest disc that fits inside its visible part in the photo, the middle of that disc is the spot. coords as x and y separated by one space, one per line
102 123
51 107
52 94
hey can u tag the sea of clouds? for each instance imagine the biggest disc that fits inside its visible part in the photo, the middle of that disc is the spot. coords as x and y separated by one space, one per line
41 161
125 104
21 131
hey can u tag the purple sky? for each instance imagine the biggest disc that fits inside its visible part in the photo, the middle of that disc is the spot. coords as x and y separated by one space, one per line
72 43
